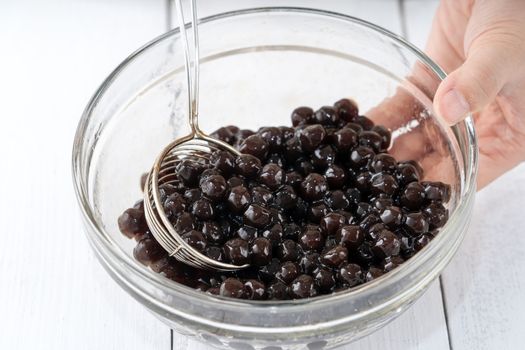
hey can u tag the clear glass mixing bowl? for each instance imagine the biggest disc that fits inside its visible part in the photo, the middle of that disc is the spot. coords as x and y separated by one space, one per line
257 65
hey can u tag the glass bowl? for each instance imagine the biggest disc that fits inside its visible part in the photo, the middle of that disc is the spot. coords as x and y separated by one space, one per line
257 66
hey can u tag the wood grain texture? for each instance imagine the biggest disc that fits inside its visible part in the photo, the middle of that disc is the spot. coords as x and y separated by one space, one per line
484 283
53 292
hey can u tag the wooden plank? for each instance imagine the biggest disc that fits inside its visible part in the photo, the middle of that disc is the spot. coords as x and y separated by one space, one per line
422 326
483 285
54 294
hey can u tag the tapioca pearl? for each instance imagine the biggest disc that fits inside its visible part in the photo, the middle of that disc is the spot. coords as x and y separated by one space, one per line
350 275
212 231
386 244
302 116
224 134
346 109
323 157
254 145
331 223
353 195
214 187
132 222
191 195
257 216
354 126
248 166
335 257
317 211
294 179
285 198
309 261
373 273
345 139
406 173
437 191
246 233
324 279
327 116
384 183
384 162
215 253
261 195
288 250
311 239
391 216
287 133
369 221
224 161
361 156
391 263
371 139
436 214
350 236
422 241
416 223
335 176
184 223
303 287
381 202
292 150
254 290
243 134
288 272
412 196
365 122
273 137
232 287
373 232
274 234
189 171
336 200
278 291
386 136
195 239
276 159
148 251
239 199
174 205
311 137
272 176
236 251
313 187
261 251
203 209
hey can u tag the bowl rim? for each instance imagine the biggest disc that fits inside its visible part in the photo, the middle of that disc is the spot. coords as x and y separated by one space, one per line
468 186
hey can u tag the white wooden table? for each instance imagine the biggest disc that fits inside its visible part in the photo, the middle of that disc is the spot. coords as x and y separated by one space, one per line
53 292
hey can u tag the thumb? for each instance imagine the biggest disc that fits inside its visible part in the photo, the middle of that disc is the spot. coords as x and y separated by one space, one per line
474 84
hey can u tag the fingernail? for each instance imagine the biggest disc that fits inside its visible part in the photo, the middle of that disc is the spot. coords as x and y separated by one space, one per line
454 106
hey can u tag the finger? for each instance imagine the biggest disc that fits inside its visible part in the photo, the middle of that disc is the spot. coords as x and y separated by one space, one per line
493 52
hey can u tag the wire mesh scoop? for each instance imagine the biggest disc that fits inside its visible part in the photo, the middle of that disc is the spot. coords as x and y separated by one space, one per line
196 146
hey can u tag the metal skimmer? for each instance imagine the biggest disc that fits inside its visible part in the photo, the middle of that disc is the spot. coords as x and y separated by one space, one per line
196 146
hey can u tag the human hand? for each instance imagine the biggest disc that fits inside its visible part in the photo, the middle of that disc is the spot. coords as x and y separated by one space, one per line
481 43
